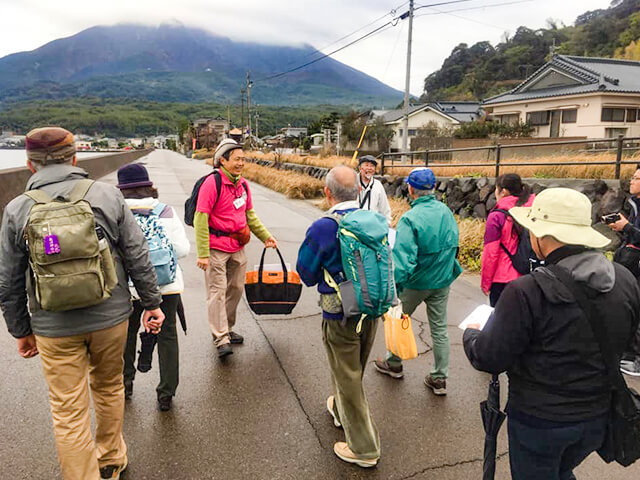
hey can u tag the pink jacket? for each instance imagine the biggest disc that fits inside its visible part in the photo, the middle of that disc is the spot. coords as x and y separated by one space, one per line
496 265
224 215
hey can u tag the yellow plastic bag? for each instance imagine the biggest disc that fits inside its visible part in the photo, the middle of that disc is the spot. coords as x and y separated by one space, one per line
398 334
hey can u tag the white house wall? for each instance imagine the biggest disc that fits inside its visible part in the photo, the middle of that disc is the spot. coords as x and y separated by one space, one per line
416 121
589 115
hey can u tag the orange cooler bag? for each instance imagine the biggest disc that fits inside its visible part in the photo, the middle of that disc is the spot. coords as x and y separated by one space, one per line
272 292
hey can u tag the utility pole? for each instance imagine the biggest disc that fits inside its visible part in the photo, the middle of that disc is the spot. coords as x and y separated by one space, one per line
407 85
242 112
249 85
257 117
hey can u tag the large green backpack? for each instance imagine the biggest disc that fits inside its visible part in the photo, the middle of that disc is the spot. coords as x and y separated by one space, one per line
72 268
369 289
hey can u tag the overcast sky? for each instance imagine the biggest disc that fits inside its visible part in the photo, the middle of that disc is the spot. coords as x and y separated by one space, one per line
28 24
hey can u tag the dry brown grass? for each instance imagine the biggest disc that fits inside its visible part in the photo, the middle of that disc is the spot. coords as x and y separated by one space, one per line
291 184
327 162
471 235
551 171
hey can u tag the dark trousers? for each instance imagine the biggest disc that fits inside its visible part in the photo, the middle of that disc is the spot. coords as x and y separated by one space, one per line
167 346
495 291
552 453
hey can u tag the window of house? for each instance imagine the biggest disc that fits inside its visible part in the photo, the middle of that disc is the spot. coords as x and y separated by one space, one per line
614 132
509 119
632 115
412 132
613 114
400 132
538 118
570 116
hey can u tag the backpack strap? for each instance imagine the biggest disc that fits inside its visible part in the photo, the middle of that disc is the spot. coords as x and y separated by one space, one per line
598 327
38 196
80 190
158 209
217 176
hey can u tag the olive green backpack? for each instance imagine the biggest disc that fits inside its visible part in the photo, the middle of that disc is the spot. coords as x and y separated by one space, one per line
72 267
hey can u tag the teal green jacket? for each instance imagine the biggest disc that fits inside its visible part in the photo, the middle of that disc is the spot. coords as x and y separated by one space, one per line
424 254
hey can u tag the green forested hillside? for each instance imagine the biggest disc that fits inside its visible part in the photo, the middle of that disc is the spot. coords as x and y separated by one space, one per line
482 70
128 117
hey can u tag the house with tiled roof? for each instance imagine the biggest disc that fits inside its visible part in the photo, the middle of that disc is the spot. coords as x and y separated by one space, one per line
575 97
443 114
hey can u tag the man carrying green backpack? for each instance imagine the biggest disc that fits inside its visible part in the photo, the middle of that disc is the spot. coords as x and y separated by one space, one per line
346 254
77 242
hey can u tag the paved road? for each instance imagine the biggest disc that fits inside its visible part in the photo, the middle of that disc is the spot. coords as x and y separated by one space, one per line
261 415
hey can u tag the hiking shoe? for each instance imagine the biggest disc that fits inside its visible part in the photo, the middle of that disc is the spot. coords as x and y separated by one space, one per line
342 450
383 367
128 390
236 338
224 350
112 471
164 404
630 367
147 345
438 385
331 403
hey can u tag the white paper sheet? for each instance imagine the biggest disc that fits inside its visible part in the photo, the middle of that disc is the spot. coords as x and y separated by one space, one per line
480 316
392 237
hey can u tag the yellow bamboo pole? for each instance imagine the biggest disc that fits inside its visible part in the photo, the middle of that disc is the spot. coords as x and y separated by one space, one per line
355 153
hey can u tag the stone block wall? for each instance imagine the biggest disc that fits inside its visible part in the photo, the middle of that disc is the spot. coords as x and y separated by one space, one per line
472 197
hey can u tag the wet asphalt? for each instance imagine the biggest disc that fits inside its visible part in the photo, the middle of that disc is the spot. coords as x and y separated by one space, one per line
261 414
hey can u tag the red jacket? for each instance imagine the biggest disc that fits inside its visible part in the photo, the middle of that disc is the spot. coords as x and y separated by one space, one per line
496 265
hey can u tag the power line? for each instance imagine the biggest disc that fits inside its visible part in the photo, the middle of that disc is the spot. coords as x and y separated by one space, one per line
418 7
383 27
291 70
392 12
440 12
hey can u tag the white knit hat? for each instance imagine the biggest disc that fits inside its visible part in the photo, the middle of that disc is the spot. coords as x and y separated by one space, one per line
223 147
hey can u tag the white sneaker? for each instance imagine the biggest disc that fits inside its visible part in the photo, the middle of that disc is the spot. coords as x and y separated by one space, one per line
331 403
630 367
342 450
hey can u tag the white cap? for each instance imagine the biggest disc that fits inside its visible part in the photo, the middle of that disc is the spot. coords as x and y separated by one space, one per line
223 147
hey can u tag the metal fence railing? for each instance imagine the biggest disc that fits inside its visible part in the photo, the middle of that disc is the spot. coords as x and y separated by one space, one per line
619 145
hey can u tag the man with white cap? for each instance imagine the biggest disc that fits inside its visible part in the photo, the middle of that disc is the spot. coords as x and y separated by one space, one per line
559 389
372 195
223 222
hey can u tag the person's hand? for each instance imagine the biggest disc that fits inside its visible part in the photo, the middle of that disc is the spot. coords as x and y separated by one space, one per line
203 263
486 292
475 326
620 224
152 320
27 347
271 243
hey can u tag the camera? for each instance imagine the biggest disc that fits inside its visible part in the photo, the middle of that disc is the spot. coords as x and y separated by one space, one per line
611 218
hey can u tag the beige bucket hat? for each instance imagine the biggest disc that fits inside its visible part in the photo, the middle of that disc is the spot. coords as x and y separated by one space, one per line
562 213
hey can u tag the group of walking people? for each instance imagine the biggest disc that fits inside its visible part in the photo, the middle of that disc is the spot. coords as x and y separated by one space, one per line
559 396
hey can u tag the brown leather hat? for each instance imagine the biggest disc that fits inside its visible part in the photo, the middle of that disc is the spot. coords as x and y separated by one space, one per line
50 145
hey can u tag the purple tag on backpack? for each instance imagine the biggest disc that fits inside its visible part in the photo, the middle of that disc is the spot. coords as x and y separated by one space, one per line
51 244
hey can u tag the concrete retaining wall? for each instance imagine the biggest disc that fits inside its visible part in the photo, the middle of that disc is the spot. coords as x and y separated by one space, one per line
14 180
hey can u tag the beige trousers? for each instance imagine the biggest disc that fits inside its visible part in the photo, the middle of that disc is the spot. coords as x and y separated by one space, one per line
225 283
73 365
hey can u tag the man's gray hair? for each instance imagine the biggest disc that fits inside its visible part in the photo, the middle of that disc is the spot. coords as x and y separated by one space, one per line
423 193
343 189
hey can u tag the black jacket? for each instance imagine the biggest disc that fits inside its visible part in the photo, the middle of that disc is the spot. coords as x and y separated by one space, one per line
539 335
631 231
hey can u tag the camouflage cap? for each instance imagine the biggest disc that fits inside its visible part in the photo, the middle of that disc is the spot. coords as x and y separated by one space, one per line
48 145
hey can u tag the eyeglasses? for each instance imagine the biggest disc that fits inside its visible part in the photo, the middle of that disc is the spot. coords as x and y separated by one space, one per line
633 179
